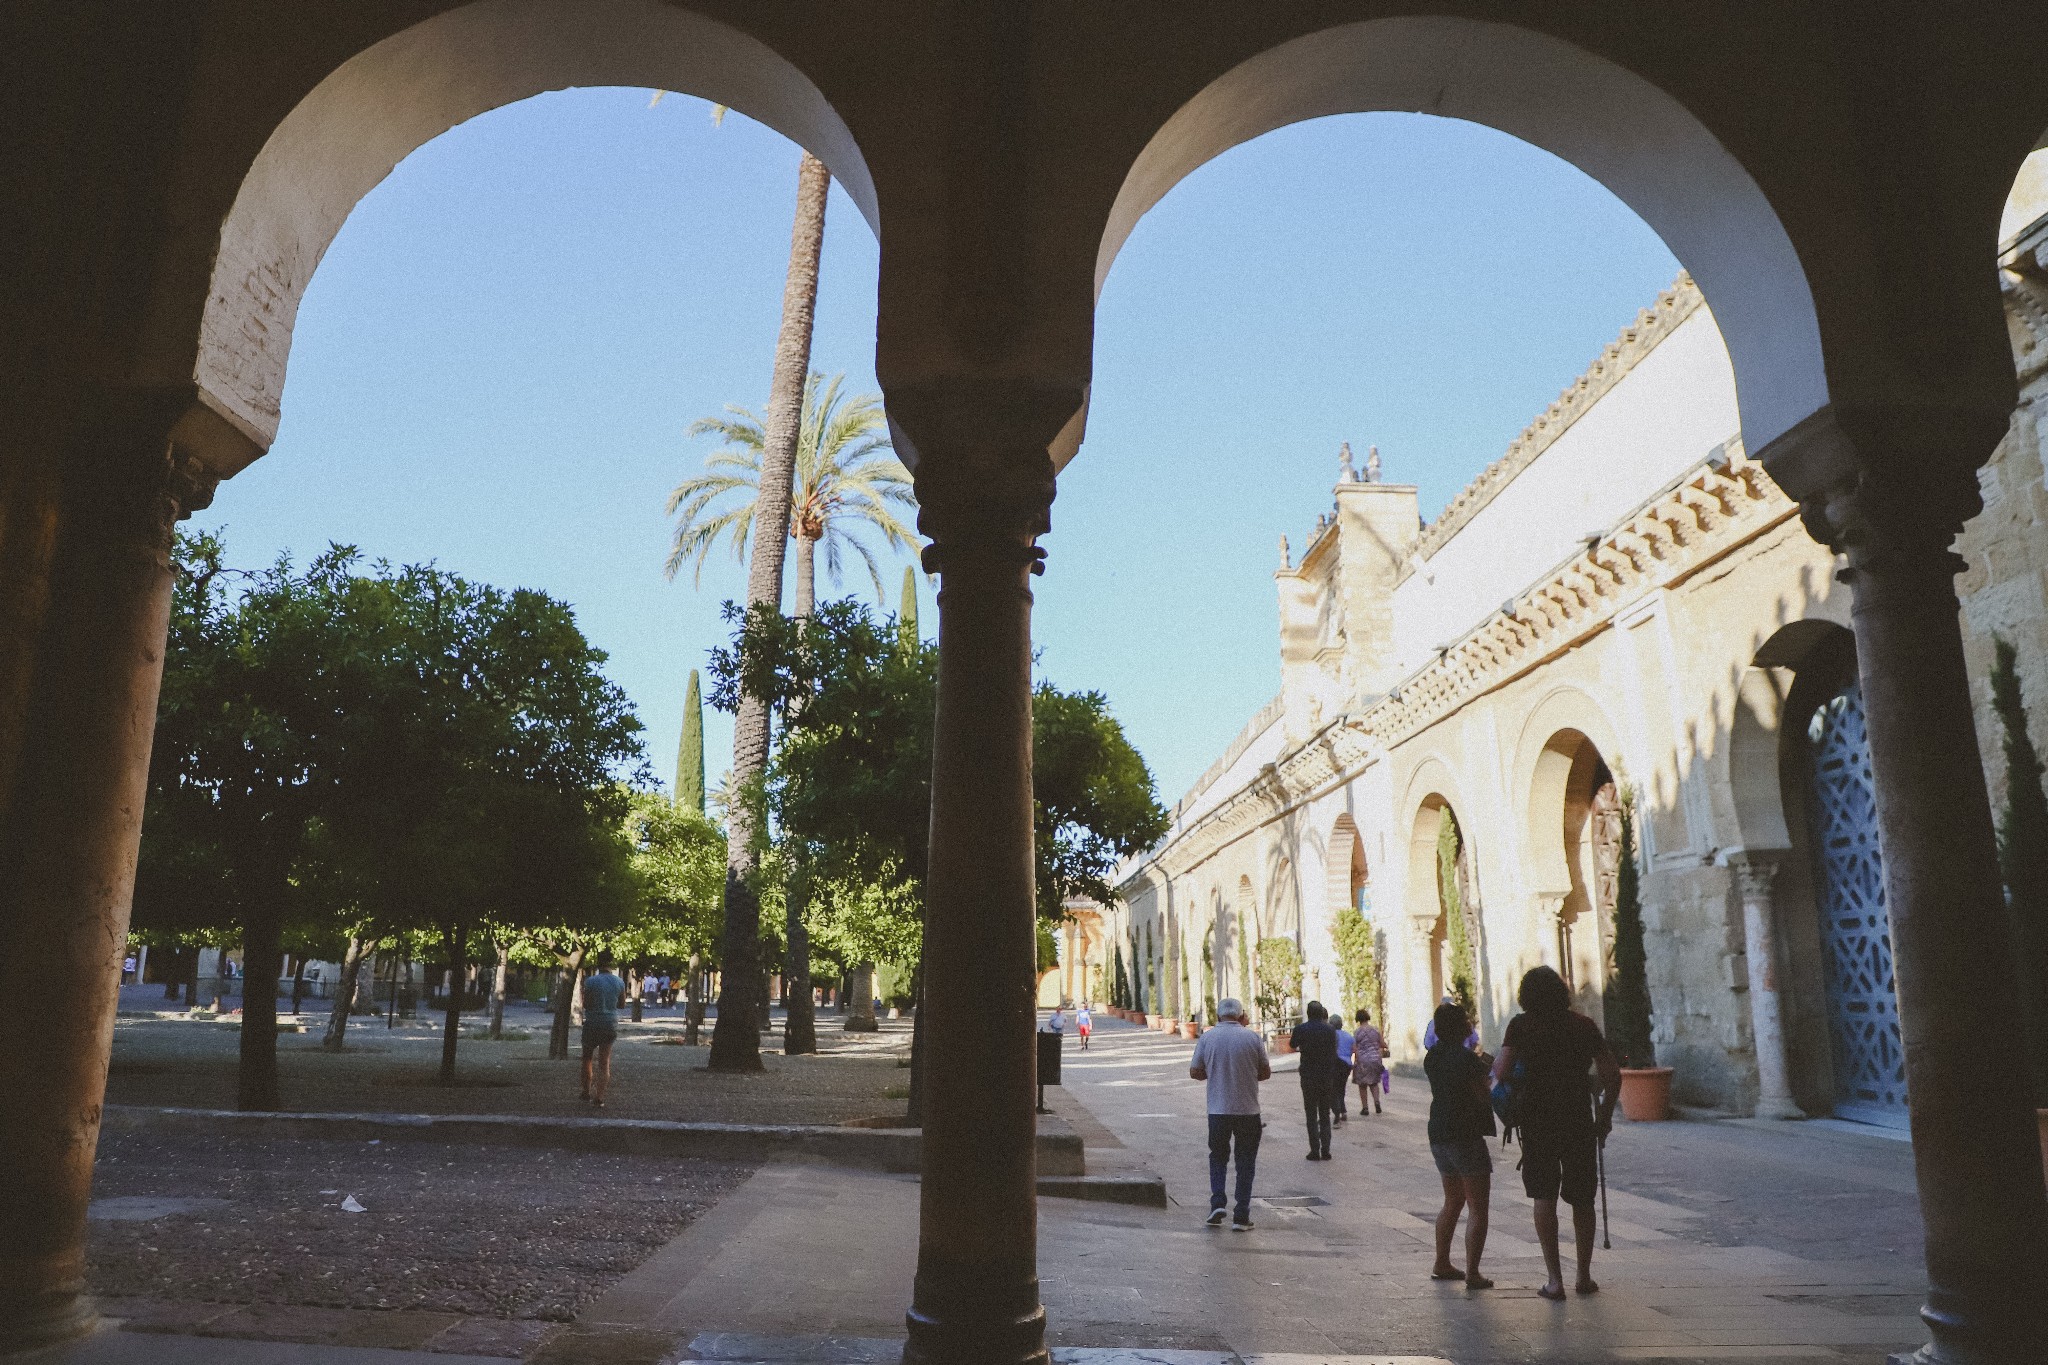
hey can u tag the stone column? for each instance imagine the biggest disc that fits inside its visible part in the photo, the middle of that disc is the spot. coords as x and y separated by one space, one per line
860 1010
1550 926
984 485
89 661
1889 489
1755 872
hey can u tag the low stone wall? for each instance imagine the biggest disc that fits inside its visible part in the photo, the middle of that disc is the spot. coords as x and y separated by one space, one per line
895 1150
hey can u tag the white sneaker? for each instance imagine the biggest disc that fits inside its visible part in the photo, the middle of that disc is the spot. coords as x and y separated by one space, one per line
1216 1217
1240 1225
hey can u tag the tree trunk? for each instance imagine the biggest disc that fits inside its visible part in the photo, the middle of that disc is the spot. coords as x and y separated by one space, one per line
806 575
693 998
298 983
174 979
454 937
502 971
638 990
262 960
565 998
915 1107
799 1019
736 1041
391 1005
344 994
192 981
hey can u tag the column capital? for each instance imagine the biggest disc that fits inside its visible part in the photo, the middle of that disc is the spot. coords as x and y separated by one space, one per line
1550 907
1888 486
980 452
1755 869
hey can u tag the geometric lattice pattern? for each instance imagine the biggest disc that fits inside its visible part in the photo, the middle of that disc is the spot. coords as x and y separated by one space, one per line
1856 943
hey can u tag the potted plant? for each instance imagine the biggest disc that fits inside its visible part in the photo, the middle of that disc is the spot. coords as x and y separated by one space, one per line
1645 1086
2023 864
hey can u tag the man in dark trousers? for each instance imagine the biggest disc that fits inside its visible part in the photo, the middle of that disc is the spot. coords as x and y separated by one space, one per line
1316 1042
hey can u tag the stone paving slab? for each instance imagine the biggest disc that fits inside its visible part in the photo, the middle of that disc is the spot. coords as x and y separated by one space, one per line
135 1348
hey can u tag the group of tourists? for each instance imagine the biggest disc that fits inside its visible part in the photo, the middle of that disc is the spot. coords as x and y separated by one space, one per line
1552 1087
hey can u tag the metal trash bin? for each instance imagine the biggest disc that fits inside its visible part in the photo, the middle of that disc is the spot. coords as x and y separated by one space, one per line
1048 1064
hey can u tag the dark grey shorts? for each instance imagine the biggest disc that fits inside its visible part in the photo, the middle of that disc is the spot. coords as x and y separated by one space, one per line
1469 1157
595 1038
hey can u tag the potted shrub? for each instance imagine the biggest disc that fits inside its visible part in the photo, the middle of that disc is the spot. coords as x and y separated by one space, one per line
1645 1086
2023 864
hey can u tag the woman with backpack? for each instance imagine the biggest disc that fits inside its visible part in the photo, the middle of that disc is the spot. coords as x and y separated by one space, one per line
1460 1122
1368 1062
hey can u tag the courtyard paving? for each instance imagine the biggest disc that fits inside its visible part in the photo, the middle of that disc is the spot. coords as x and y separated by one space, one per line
1732 1241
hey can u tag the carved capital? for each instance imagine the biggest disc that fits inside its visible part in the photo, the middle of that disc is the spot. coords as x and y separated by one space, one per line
1550 909
1756 870
979 451
130 479
1887 487
1422 929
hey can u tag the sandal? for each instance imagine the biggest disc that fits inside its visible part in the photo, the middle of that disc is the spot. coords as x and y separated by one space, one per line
1543 1293
1454 1275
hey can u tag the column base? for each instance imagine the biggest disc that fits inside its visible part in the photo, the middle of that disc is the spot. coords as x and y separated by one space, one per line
25 1327
977 1341
1778 1109
861 1024
2003 1335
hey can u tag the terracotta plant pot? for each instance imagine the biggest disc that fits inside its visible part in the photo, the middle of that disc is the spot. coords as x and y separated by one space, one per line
1283 1045
1169 1025
1191 1029
1646 1094
1137 1017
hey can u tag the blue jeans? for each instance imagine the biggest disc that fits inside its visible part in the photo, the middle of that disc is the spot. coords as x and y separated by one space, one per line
1245 1129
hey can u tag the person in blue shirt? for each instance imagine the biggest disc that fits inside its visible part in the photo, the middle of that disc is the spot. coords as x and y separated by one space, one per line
602 992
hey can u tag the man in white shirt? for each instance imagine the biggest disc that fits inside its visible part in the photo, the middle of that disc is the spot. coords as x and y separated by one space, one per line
1232 1059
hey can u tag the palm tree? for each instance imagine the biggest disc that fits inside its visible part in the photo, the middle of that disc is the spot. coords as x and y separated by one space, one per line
845 477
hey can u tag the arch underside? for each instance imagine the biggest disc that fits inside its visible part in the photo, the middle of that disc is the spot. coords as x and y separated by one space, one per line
1629 135
374 110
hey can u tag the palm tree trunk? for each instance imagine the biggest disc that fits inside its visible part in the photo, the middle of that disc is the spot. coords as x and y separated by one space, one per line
736 1041
799 1020
455 938
806 576
498 990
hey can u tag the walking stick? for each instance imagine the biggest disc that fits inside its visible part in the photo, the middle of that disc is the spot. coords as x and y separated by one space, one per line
1606 1240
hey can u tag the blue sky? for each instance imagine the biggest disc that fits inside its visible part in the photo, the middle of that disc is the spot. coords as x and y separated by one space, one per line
496 362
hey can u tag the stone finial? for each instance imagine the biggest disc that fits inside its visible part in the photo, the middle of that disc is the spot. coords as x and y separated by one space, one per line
1372 464
1345 473
1286 555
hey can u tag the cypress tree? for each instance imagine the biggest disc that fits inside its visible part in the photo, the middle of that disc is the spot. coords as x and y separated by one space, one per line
690 753
906 614
2023 857
1628 987
1464 976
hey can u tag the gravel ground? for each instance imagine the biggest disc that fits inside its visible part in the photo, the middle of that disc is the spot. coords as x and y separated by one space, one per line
488 1232
192 1063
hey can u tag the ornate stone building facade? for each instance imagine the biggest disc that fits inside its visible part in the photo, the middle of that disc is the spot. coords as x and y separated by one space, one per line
1624 603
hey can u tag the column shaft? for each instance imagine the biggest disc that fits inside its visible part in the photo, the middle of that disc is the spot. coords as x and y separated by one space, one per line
1754 875
68 839
976 1299
1975 1146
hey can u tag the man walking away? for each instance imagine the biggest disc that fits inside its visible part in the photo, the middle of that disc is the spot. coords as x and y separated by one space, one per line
1555 1047
1316 1042
602 992
1340 1079
1368 1062
1232 1060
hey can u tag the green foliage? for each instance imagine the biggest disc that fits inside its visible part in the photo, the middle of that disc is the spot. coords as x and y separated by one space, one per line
857 921
1627 1001
1279 978
1457 927
2023 857
679 858
1048 948
1180 957
690 752
1244 963
1120 989
1209 976
852 780
1357 961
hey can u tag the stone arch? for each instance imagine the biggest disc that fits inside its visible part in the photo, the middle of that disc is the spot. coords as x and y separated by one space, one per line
1561 720
1617 127
1345 870
370 112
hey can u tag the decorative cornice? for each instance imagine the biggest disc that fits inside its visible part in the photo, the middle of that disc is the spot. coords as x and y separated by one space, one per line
1650 328
1707 512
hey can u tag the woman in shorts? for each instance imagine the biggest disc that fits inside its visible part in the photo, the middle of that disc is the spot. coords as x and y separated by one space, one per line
1460 1122
1368 1062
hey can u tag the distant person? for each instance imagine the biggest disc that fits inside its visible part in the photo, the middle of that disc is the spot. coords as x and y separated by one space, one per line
1232 1060
1368 1062
602 992
1340 1078
1460 1121
1316 1042
1555 1047
1084 1024
1056 1022
1429 1032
